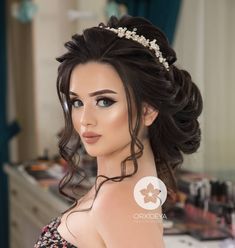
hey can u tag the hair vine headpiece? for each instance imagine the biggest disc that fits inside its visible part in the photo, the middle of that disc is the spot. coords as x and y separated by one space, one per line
123 32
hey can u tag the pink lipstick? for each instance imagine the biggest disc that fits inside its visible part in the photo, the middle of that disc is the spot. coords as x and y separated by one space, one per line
92 140
90 137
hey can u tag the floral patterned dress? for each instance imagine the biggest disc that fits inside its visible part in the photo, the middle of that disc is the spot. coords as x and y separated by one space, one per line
51 238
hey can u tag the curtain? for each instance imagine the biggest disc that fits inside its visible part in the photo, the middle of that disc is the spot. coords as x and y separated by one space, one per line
7 131
205 47
162 13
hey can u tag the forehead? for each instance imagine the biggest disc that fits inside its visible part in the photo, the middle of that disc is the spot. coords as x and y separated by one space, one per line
94 76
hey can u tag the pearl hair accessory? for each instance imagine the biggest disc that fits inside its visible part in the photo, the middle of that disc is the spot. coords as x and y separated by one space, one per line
123 32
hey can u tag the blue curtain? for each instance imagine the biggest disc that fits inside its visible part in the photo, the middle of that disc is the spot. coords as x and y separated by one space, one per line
162 13
6 130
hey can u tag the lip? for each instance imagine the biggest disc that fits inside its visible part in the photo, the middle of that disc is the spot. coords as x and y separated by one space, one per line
90 135
92 140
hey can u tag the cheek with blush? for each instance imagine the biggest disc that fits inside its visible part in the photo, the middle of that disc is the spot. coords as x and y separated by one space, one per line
117 127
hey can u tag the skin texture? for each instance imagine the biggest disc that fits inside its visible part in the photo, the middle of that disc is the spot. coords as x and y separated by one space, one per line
110 121
109 118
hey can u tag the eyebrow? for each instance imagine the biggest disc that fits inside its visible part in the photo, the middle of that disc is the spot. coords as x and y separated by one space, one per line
99 92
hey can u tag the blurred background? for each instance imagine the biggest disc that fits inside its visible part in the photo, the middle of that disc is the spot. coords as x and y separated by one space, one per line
32 36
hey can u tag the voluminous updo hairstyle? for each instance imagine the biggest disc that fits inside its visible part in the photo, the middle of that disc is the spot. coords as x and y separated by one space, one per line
175 130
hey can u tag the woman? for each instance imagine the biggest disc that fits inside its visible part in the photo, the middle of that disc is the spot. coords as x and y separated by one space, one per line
136 113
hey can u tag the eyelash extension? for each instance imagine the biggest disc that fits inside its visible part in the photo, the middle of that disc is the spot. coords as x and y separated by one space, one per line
73 100
107 99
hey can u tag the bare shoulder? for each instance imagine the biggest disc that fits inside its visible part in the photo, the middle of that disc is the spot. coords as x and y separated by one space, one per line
121 222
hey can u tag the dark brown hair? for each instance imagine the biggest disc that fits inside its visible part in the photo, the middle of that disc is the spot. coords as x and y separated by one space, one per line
176 129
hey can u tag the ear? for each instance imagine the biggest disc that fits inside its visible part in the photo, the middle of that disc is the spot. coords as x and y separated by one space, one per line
149 114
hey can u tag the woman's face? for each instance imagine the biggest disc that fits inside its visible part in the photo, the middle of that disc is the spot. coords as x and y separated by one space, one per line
99 106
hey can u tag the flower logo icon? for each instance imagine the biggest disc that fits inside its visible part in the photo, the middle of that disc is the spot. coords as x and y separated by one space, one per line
150 192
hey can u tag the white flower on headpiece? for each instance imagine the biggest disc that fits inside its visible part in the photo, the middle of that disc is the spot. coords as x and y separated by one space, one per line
123 32
136 37
157 53
128 34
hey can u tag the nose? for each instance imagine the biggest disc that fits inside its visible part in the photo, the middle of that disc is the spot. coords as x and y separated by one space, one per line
87 117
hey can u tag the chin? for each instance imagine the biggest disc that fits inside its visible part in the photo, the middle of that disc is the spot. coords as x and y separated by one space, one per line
97 152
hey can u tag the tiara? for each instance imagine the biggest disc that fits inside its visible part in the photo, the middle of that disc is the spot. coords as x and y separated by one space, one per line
123 32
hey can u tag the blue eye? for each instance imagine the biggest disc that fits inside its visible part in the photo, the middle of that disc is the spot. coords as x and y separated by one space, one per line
76 103
102 102
105 102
